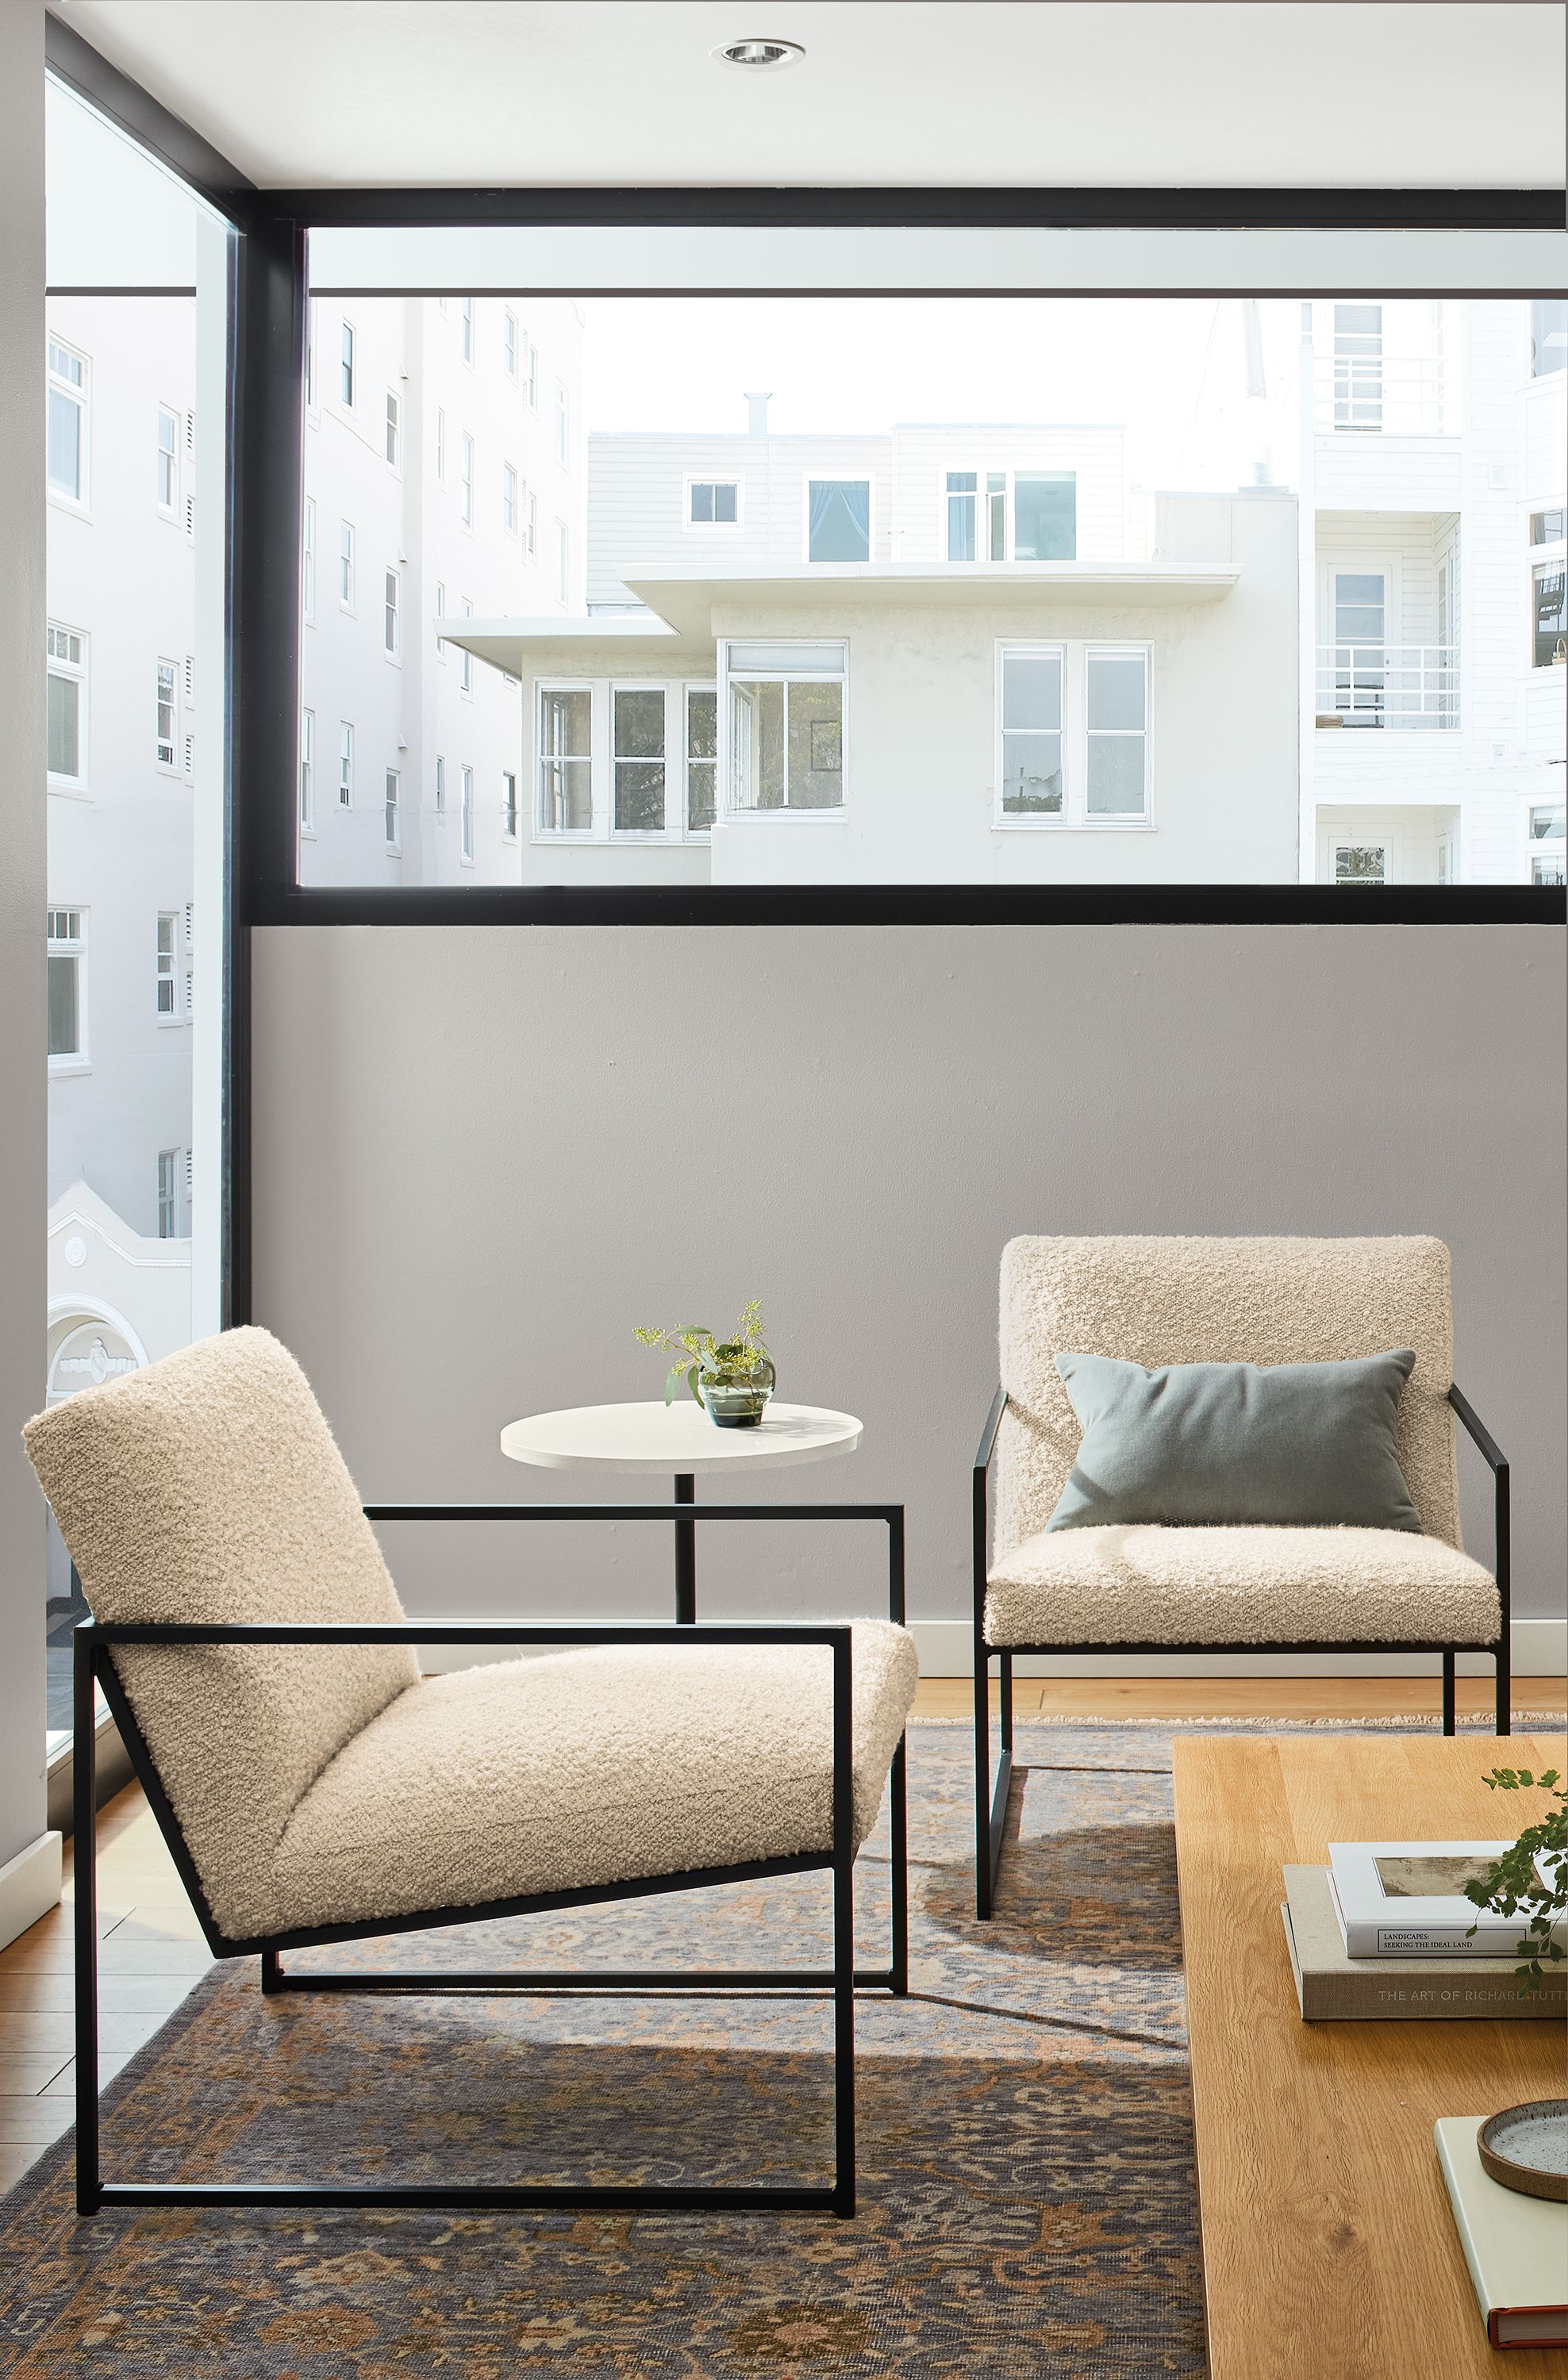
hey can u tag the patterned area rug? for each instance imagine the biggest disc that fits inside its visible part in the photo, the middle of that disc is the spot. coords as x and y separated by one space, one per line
1027 2191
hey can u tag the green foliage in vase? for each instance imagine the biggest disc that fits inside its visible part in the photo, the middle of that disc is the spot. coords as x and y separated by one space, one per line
740 1357
1516 1886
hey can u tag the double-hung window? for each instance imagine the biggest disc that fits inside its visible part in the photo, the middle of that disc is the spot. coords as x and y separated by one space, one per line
441 784
168 1194
509 804
66 691
509 497
562 424
713 504
306 772
345 565
1073 735
66 423
638 758
344 764
702 757
168 461
392 822
563 562
168 714
509 344
465 658
392 625
394 427
466 476
784 705
165 958
530 375
1116 730
530 523
441 441
466 319
345 366
1031 733
838 521
308 560
566 759
467 819
68 987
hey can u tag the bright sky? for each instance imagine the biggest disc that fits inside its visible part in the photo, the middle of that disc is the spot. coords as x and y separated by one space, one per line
863 363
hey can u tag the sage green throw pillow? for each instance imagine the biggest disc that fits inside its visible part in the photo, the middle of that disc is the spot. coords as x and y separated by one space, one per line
1212 1445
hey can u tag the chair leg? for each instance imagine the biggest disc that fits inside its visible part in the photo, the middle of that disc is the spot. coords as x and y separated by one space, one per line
1504 1692
990 1801
1448 1691
272 1972
898 1971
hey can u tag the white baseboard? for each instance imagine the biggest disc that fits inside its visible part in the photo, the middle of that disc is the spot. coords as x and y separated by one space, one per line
1540 1650
29 1886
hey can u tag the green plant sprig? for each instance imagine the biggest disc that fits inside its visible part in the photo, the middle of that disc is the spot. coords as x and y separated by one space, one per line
696 1351
1515 1887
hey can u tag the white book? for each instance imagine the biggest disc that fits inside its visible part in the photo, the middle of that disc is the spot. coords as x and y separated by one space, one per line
1406 1901
1516 2247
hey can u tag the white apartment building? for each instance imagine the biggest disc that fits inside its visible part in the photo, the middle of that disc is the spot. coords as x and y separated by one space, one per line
738 705
444 468
1434 473
445 474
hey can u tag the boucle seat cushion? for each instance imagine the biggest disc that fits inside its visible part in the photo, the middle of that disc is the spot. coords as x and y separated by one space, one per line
1157 1585
583 1769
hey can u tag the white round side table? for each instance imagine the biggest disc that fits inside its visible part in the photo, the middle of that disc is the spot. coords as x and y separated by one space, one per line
681 1440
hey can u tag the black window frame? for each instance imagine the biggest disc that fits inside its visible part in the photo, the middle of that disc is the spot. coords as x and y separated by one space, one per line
266 412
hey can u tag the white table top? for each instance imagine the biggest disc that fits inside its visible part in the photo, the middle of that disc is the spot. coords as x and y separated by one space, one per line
677 1437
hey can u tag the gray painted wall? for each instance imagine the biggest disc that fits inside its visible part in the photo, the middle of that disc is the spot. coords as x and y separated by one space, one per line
22 1065
483 1155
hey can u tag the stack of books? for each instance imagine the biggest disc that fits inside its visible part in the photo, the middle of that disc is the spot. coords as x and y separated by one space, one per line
1516 2247
1384 1931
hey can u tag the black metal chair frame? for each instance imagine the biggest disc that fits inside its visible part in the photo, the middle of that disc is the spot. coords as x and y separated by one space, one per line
94 1645
991 1799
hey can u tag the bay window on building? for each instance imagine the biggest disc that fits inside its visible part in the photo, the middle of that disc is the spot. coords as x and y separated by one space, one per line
566 759
638 747
702 757
784 705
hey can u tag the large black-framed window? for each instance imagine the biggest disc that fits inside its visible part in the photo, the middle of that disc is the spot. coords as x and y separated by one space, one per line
269 369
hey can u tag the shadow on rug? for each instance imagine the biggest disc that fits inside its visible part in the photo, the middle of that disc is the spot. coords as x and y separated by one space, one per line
1026 2190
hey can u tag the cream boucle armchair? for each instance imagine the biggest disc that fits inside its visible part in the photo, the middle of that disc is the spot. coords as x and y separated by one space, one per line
313 1788
1253 1589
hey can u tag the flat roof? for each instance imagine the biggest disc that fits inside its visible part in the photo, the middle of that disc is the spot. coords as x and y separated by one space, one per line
679 618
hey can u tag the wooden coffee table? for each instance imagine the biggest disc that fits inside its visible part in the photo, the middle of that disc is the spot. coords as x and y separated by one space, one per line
1329 2248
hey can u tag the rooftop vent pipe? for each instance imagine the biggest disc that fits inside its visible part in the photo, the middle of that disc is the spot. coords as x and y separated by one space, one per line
756 411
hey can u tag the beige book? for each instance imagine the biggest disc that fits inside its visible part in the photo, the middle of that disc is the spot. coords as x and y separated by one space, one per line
1516 2247
1332 1985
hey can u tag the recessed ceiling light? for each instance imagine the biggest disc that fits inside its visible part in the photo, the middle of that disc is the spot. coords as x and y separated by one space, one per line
765 53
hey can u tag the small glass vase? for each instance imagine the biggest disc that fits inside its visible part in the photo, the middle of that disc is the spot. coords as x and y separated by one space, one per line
734 1399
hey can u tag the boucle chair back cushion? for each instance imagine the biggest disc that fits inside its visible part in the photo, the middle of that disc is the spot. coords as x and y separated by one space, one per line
208 1487
1218 1301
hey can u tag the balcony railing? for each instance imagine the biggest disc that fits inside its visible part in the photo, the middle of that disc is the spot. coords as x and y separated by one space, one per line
1399 686
1399 397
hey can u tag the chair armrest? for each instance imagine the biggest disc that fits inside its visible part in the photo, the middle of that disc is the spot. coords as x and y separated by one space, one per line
987 1447
1501 1522
1478 1429
458 1631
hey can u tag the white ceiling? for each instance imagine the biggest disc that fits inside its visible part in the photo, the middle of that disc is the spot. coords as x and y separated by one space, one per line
1235 93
